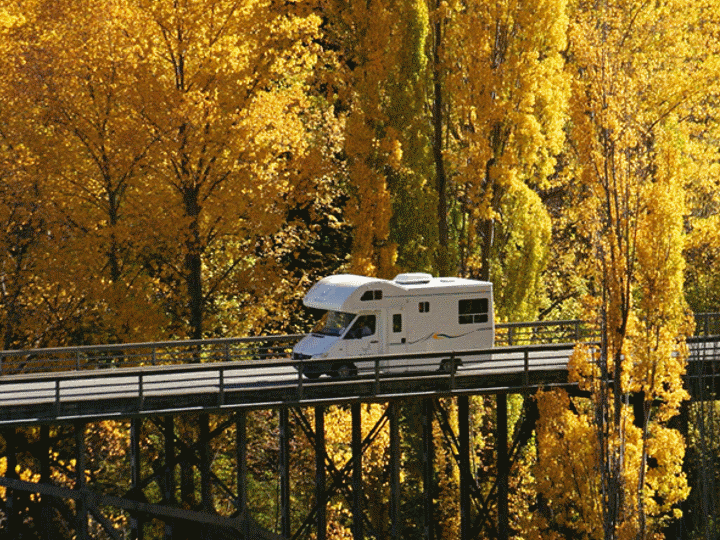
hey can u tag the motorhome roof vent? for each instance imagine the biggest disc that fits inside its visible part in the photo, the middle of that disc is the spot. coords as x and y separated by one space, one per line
415 278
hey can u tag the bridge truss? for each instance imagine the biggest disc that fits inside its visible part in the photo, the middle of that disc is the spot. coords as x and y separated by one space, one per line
198 472
177 491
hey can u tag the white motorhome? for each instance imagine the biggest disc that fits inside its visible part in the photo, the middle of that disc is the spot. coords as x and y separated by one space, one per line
412 313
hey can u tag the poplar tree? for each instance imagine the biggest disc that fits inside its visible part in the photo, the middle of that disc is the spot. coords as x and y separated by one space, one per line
497 131
377 84
611 467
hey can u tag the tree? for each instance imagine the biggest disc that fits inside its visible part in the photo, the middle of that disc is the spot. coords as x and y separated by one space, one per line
497 130
93 151
222 87
632 86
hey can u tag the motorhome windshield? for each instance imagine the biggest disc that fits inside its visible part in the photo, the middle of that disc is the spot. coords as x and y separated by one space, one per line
333 323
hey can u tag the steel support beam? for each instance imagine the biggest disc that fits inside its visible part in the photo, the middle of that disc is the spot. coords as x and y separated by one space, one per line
82 531
465 470
357 471
241 469
320 493
393 413
46 512
10 436
284 472
168 471
136 521
206 497
503 466
428 472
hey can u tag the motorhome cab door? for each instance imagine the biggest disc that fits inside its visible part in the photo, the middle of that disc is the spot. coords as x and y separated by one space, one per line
364 338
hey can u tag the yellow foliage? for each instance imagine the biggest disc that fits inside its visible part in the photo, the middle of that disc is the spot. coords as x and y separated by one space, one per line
568 474
635 68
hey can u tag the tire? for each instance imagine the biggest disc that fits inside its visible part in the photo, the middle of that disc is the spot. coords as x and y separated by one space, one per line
448 365
345 370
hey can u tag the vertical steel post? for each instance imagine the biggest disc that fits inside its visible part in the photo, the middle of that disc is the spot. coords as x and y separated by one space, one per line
284 472
169 471
241 456
320 493
394 471
9 435
465 470
503 467
46 511
205 466
82 531
136 522
428 466
357 527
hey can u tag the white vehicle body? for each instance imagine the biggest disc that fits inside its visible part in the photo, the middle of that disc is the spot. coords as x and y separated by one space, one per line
412 313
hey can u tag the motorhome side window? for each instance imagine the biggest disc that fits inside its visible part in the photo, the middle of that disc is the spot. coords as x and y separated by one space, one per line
473 311
364 326
424 307
371 295
397 323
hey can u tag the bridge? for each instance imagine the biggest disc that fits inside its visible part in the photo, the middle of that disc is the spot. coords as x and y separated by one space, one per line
170 390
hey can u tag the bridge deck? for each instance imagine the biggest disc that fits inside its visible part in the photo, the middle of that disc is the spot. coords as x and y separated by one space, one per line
260 383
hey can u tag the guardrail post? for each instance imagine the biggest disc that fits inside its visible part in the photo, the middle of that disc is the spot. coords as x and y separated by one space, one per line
377 375
300 383
527 366
141 396
57 398
452 370
221 386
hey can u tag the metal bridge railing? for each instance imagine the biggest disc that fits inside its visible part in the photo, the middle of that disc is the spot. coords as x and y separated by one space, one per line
707 324
272 382
131 355
541 332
